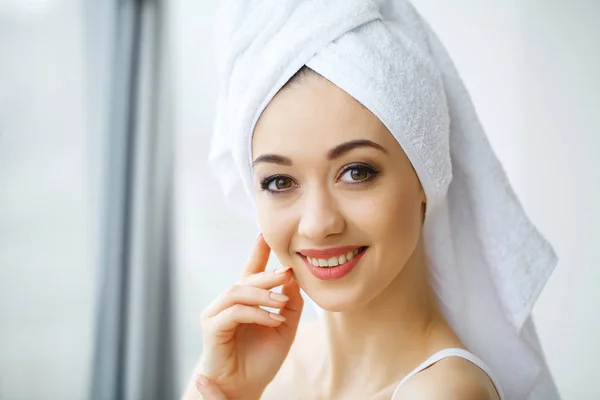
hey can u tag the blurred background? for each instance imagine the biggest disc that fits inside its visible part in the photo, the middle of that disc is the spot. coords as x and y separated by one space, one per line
114 236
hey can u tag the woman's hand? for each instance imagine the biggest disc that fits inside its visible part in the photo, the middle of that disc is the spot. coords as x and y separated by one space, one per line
243 344
208 389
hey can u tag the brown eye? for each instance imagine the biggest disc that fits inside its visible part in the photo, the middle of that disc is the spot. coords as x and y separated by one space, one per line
277 184
282 183
357 173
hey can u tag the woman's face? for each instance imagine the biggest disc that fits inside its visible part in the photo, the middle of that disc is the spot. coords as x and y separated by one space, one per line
331 179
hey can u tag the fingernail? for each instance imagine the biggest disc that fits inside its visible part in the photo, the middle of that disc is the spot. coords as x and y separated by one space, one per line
283 270
279 297
258 236
277 317
202 380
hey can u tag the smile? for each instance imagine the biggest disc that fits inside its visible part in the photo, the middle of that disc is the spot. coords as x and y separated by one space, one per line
334 263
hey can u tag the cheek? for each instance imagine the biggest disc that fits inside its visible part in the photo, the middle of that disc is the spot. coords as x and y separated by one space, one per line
277 226
392 220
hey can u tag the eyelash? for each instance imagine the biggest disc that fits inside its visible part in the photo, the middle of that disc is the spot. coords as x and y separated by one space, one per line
264 184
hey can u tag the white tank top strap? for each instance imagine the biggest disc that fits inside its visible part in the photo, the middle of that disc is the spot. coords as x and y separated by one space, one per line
450 352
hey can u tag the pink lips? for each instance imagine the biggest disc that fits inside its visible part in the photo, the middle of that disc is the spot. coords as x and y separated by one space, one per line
331 273
327 253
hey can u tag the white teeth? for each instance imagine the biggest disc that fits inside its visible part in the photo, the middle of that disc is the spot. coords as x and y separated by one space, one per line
333 261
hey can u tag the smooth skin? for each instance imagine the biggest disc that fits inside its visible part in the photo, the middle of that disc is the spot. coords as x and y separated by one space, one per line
328 173
245 345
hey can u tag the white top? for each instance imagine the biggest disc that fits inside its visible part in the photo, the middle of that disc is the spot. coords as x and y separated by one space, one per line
449 352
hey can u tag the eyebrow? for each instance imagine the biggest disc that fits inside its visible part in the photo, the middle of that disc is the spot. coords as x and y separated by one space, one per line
336 152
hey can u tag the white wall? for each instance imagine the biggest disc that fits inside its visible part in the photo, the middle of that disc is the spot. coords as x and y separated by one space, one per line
559 85
531 69
46 269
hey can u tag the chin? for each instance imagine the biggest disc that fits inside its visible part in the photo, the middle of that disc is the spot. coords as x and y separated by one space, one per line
333 300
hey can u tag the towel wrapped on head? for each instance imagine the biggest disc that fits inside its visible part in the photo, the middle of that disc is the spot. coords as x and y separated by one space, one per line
487 261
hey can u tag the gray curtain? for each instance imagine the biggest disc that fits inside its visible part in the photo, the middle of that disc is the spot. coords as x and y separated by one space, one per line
134 355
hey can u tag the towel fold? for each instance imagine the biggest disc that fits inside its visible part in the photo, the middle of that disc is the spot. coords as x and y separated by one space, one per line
488 263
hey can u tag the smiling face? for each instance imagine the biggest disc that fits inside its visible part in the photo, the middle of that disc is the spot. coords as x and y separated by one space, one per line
330 179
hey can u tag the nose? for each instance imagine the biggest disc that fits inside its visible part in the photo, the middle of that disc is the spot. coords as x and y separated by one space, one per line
321 216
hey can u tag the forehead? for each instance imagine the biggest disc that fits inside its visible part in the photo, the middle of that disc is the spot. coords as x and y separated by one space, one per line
315 114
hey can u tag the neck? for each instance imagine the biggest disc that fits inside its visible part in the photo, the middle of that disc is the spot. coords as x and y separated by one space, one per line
373 346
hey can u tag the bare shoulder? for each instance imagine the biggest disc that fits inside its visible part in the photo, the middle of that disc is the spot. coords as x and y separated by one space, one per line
450 378
297 363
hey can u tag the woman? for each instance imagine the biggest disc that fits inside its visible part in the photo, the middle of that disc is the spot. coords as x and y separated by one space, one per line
362 154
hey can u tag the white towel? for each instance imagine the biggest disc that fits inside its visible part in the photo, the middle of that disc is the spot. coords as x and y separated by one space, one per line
487 261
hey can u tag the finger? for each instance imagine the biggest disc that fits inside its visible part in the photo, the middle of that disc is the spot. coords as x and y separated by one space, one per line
223 325
208 389
292 310
247 295
257 261
268 279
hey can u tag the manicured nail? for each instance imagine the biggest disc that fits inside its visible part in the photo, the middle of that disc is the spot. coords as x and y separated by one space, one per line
202 380
283 270
280 297
277 317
